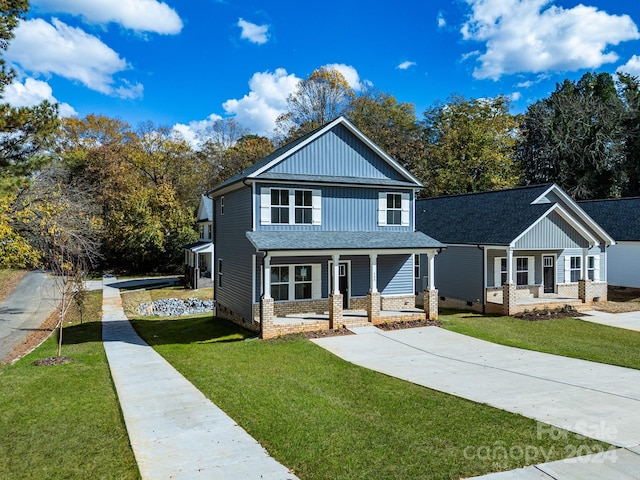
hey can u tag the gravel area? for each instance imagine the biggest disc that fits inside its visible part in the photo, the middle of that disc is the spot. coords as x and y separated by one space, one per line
174 307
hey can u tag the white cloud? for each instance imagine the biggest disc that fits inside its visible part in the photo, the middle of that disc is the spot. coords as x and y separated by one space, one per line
192 132
267 98
442 22
515 96
349 73
632 67
525 84
138 15
252 32
405 65
33 92
534 36
43 48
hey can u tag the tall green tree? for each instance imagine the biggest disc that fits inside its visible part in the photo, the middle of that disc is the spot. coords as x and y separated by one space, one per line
575 138
470 146
629 88
392 125
320 98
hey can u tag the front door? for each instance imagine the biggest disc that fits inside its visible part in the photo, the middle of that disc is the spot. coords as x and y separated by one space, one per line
343 282
549 273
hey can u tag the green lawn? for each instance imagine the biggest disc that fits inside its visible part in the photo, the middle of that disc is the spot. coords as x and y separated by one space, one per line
568 337
326 418
64 421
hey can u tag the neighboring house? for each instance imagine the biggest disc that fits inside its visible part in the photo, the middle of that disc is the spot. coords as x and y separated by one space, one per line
621 219
319 234
198 256
516 249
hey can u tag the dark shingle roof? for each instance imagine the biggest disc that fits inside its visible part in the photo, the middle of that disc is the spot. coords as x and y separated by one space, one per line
309 240
620 217
485 218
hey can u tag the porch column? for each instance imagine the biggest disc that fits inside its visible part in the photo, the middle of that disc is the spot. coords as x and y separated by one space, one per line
583 264
196 271
432 270
509 288
373 297
335 299
266 281
584 284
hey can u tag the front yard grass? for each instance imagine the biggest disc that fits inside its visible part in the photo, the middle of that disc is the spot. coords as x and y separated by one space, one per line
64 421
326 418
568 337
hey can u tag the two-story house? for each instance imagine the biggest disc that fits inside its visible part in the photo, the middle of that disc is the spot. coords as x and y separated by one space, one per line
198 256
319 234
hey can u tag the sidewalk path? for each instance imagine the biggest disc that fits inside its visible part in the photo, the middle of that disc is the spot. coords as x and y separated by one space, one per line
628 320
175 431
25 309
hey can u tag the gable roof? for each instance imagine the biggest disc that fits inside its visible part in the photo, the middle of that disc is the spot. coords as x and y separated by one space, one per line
260 168
205 209
620 217
497 217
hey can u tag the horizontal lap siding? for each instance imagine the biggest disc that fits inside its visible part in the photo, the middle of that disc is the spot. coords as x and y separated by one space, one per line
235 250
337 153
459 273
395 274
350 209
624 264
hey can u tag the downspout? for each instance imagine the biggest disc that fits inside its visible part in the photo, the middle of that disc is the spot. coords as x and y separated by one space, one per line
484 279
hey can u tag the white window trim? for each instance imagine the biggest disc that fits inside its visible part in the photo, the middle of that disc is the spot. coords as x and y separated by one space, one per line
405 207
316 281
222 205
531 271
219 272
416 266
265 205
596 269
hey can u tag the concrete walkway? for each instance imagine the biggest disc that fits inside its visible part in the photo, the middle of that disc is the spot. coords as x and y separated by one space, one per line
175 431
595 400
26 309
628 320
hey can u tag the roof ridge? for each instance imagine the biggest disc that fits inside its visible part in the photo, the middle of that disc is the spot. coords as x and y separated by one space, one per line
502 190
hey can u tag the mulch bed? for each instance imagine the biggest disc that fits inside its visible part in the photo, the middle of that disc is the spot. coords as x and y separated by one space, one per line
536 315
328 333
409 324
47 362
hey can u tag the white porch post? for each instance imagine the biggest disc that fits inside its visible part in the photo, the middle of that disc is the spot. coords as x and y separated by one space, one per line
267 277
336 274
432 270
583 265
509 266
373 280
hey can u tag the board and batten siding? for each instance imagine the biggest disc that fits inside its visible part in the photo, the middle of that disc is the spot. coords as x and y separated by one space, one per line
349 209
458 272
337 153
552 232
235 250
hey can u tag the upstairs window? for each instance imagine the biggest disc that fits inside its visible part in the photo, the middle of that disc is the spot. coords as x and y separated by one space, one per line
201 231
210 231
282 206
279 206
393 209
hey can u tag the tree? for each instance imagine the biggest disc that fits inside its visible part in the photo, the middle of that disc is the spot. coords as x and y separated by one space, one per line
575 138
391 125
246 151
470 146
320 98
629 86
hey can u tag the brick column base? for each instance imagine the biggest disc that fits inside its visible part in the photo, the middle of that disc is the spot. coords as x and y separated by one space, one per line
430 301
584 291
266 318
509 299
373 306
335 311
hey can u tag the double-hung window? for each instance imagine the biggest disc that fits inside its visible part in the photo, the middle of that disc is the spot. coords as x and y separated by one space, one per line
393 209
279 205
280 282
303 206
522 271
302 282
284 206
503 271
591 267
295 282
575 268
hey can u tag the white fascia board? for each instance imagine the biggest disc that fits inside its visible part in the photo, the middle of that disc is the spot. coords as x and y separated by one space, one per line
359 251
341 120
306 184
578 211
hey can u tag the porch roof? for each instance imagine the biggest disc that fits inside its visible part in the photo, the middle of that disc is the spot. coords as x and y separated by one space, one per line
309 240
199 247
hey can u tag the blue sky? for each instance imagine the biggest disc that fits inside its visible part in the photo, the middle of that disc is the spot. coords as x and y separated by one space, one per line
184 64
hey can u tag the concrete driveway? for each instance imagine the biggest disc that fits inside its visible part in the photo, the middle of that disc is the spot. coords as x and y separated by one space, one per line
595 400
25 309
628 320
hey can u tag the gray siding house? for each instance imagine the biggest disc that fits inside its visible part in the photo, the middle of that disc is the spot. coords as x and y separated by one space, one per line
319 234
515 249
621 218
198 256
